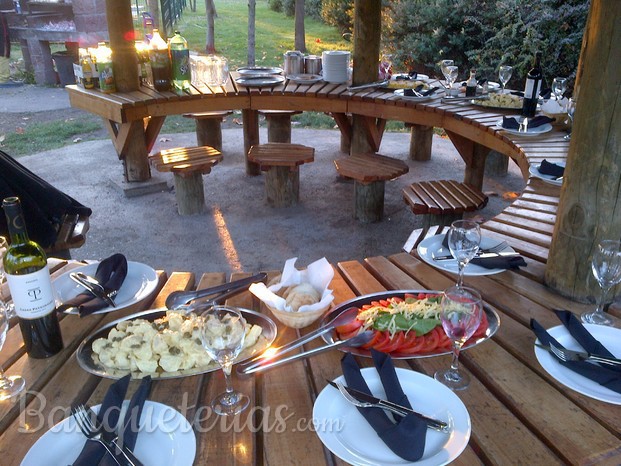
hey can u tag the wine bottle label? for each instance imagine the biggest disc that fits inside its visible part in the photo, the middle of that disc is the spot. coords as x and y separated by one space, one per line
533 87
32 294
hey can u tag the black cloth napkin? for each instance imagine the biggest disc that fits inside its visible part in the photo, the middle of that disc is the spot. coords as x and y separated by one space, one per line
513 123
111 273
607 376
405 436
552 169
93 452
500 262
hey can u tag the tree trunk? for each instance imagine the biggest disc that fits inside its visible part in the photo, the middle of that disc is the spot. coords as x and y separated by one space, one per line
192 6
367 32
590 204
210 7
300 34
124 61
252 7
154 9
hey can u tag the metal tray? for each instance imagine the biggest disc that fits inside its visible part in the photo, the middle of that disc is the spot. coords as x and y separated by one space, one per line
493 320
259 70
260 81
84 353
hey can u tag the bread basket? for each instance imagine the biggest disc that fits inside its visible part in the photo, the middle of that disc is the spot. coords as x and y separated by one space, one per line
299 319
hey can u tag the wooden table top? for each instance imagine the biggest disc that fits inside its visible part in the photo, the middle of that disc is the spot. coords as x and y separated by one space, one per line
520 415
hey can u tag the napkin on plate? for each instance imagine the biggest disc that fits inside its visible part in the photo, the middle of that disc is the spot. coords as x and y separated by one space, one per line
607 376
552 169
513 123
406 435
500 262
93 452
111 273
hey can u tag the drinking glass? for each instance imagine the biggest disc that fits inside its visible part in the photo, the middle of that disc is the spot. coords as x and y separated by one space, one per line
571 109
9 386
464 238
504 74
222 332
452 71
443 67
559 86
4 245
461 312
606 266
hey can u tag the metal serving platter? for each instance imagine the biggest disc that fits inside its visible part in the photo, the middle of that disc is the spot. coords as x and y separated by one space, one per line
260 81
87 359
259 70
493 320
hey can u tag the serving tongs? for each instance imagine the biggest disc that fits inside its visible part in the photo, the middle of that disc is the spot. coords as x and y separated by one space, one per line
368 86
179 299
271 358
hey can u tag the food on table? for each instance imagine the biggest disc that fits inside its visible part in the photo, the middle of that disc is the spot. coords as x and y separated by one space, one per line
409 325
402 84
301 295
168 344
501 101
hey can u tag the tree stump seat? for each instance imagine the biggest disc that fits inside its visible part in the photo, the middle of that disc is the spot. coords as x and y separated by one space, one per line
279 124
209 127
187 164
442 201
369 172
280 162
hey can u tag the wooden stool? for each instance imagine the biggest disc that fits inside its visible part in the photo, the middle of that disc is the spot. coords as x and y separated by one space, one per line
279 124
421 139
443 201
280 161
369 172
209 127
187 164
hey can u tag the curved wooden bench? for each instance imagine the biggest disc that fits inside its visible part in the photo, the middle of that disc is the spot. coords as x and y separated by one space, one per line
370 173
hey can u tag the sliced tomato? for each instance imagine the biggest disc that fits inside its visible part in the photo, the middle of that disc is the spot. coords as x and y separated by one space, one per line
376 337
397 299
349 326
415 347
384 342
384 303
396 342
348 335
431 341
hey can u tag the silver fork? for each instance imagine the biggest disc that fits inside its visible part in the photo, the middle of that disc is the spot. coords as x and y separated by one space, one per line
83 421
496 248
569 355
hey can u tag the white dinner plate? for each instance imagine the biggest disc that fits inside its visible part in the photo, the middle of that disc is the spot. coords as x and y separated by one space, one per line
165 438
529 132
610 337
140 282
432 247
304 78
346 433
400 93
534 170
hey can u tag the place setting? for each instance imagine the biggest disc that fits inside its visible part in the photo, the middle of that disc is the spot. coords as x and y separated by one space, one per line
522 126
549 172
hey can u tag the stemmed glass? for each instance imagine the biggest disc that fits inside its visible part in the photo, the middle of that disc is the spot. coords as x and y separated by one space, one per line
504 74
223 330
4 245
9 386
461 312
571 109
606 266
464 238
444 64
559 86
451 71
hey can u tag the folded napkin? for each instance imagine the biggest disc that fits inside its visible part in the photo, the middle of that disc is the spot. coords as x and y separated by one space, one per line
500 262
405 436
111 273
93 452
552 169
607 376
513 123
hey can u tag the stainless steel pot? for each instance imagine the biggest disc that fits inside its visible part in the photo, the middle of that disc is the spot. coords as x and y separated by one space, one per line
293 62
312 64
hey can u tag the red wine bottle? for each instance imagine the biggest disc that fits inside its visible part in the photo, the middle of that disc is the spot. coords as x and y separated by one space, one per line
532 88
29 281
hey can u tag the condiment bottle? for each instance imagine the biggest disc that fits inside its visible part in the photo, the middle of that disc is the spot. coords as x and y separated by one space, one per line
471 84
160 62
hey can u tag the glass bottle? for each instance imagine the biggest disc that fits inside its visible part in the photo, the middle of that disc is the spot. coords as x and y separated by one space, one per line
532 88
180 60
471 84
160 62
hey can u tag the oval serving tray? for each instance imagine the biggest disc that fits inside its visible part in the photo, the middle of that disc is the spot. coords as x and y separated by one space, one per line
259 70
86 360
493 320
260 81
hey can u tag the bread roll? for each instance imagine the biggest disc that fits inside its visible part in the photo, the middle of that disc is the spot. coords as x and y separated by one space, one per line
301 295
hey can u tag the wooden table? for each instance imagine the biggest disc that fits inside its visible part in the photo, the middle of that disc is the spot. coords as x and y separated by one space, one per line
520 415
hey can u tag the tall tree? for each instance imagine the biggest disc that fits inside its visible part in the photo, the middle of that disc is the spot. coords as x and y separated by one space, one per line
252 8
300 35
210 8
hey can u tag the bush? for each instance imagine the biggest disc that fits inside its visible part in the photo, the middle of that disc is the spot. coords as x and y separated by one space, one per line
312 8
275 5
339 13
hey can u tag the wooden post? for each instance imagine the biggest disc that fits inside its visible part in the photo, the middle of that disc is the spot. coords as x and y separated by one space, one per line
367 32
121 30
421 139
369 201
251 137
282 186
590 203
497 164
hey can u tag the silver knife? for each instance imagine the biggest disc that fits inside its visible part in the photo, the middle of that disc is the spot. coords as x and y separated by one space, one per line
393 407
93 286
483 255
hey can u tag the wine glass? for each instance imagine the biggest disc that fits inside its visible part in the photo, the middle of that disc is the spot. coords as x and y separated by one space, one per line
464 238
222 332
606 266
452 71
9 386
4 245
443 67
504 74
559 86
461 312
571 109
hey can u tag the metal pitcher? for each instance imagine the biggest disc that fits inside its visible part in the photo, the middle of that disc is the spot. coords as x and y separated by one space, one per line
312 64
294 62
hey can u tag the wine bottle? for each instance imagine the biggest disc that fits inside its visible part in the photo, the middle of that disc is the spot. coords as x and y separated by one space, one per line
471 84
180 60
532 88
29 281
160 62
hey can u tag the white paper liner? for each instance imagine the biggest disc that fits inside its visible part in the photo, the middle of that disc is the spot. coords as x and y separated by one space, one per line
319 274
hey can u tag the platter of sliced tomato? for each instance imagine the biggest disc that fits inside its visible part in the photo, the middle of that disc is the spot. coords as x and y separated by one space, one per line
404 344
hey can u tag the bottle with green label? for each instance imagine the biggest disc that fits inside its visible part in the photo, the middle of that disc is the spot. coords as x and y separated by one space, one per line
180 59
29 281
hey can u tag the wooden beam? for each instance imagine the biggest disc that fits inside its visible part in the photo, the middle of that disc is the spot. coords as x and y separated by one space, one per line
121 30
